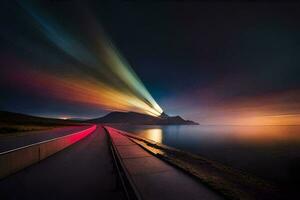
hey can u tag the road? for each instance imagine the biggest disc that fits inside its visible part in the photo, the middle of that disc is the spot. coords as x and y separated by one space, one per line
82 171
12 142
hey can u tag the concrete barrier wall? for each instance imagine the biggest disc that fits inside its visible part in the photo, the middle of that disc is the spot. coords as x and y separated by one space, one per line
14 160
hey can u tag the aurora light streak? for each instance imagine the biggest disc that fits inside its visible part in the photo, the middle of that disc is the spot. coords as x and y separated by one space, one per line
98 75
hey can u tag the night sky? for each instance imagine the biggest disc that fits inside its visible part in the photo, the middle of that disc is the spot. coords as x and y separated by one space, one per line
215 63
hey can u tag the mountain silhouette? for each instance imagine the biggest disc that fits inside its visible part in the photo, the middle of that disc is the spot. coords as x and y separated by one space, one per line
141 119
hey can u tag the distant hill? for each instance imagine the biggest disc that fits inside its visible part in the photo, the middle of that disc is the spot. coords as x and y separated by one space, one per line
141 119
16 122
23 119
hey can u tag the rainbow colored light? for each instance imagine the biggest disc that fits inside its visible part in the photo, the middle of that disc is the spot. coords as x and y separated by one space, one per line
98 75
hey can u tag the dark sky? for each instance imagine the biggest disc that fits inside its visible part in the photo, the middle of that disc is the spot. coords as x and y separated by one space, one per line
194 57
199 43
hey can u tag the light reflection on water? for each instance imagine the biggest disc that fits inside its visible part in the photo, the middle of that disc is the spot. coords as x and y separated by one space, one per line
154 134
271 152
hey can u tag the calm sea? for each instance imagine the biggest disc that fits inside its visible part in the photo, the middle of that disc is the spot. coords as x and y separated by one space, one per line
269 152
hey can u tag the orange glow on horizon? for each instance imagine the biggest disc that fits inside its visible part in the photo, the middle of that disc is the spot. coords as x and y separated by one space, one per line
281 108
292 119
64 118
258 120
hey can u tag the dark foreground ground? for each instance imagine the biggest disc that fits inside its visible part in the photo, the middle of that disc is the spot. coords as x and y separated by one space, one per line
82 171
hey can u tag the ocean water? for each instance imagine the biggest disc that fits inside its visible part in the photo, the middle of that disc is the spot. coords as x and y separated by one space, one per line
268 152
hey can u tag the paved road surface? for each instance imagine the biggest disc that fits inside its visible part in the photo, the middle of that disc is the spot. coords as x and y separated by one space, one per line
27 138
82 171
